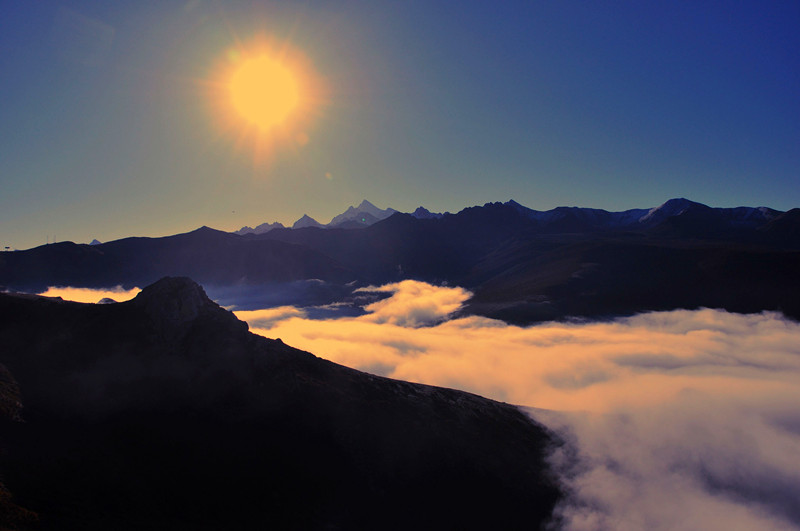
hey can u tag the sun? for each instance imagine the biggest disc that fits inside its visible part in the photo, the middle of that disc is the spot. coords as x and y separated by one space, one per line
264 92
265 96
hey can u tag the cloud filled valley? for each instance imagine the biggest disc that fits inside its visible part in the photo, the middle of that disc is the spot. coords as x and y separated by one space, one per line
674 420
671 420
393 265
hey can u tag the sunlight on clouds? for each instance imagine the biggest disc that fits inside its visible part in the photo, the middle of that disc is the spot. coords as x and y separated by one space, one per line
266 319
117 294
676 420
595 367
414 303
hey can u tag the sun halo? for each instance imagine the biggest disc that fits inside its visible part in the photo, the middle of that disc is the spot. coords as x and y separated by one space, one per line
265 95
264 92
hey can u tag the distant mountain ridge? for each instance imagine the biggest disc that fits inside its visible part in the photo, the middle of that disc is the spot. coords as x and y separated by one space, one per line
355 217
306 221
365 213
260 229
560 218
642 218
522 265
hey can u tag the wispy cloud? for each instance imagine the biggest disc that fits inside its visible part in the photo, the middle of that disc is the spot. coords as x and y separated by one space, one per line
265 319
677 420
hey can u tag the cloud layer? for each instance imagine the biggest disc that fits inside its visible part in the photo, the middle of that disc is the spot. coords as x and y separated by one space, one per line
674 420
117 294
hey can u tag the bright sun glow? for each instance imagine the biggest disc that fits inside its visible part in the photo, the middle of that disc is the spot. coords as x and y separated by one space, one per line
264 92
266 96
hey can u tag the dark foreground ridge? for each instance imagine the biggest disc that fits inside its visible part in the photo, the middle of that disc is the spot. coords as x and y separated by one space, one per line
165 413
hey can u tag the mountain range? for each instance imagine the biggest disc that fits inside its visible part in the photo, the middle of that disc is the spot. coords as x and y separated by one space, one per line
165 413
557 219
521 265
364 215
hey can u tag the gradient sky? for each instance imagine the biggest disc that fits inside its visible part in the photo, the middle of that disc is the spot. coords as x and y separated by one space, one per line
106 130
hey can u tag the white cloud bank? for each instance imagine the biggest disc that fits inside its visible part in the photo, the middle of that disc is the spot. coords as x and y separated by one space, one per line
678 420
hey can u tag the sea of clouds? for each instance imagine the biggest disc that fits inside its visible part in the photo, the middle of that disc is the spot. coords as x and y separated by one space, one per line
677 420
672 420
89 295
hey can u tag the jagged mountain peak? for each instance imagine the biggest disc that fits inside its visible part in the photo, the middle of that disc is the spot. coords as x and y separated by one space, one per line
423 213
174 299
260 229
518 207
175 303
306 221
364 214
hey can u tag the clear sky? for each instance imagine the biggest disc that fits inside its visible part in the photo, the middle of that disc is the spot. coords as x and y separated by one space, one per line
108 128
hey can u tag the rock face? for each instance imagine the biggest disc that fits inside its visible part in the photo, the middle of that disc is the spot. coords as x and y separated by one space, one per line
175 305
174 301
10 404
163 412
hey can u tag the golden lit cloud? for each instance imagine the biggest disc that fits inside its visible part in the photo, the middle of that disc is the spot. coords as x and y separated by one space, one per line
117 294
561 366
414 303
265 319
674 420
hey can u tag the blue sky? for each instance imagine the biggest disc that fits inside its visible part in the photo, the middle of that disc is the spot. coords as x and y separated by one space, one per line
106 130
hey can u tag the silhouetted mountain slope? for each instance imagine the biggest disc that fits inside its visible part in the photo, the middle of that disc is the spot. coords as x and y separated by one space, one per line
536 280
165 413
784 229
211 256
522 264
524 273
403 246
396 248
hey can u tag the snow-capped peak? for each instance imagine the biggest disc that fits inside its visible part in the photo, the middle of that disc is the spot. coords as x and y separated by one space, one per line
306 221
365 213
673 207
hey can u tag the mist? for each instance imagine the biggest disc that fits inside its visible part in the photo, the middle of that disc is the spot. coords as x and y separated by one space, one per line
670 420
